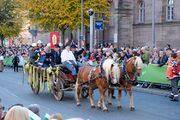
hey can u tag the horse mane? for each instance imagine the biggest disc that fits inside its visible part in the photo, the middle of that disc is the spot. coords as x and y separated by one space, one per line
116 71
139 62
107 67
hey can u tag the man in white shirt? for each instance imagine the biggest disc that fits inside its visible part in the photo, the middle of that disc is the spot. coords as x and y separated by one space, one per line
68 60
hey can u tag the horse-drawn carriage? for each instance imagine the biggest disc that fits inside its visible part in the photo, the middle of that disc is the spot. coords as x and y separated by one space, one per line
57 79
60 79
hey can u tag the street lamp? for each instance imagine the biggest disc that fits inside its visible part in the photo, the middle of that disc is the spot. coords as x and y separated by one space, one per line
91 14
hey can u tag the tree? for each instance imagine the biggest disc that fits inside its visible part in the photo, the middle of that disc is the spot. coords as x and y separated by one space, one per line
61 14
10 24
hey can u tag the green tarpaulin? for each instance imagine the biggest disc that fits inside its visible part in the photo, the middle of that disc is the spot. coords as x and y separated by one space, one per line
154 74
8 61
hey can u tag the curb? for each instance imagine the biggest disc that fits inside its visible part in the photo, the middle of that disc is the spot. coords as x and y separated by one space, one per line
152 91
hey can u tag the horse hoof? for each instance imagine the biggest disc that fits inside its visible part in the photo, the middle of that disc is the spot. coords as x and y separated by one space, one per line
93 106
99 108
132 109
119 108
105 110
109 103
78 104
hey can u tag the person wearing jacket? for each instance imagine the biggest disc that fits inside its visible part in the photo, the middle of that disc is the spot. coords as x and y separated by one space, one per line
15 62
34 54
57 55
173 74
163 58
145 55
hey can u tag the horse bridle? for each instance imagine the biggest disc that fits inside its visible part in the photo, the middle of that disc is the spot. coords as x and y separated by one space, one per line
127 77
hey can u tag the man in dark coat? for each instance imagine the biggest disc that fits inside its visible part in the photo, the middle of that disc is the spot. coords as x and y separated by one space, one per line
15 62
57 55
76 53
163 58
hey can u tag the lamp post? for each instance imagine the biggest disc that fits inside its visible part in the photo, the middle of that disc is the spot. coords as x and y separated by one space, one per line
91 14
153 24
82 23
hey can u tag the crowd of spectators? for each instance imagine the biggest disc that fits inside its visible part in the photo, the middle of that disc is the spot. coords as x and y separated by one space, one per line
148 54
12 50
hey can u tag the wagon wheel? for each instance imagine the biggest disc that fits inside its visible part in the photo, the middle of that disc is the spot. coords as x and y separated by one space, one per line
58 90
84 91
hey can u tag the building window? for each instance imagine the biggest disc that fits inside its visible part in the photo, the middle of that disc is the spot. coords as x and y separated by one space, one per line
141 12
170 10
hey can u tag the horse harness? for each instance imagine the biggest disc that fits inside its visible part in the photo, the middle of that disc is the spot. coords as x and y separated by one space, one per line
91 78
125 73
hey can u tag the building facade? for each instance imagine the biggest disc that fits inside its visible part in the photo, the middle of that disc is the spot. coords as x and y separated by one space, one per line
131 23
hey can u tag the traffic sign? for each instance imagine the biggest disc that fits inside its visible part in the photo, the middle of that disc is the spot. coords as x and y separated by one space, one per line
99 24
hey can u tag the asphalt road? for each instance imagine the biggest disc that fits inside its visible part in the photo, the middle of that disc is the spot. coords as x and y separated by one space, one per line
148 106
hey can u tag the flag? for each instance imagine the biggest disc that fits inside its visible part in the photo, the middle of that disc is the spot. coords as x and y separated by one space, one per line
54 40
33 116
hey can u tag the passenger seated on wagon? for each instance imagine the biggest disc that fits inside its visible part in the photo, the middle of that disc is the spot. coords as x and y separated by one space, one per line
34 54
48 60
68 60
46 57
57 55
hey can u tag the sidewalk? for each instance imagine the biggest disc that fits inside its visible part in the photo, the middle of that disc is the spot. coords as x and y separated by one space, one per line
154 91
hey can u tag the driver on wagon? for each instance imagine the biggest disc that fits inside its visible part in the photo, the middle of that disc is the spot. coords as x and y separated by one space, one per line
68 60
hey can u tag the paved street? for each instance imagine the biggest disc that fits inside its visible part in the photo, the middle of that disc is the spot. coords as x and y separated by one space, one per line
148 106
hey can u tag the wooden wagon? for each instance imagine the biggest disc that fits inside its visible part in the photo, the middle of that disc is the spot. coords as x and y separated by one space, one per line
58 80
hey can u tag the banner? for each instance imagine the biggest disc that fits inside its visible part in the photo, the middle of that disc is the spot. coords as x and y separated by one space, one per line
54 39
154 74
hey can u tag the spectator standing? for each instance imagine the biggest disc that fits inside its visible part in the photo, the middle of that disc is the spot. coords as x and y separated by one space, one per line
155 58
145 55
15 62
173 74
163 58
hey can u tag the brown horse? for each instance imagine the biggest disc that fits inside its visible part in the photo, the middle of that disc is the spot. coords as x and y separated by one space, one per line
94 79
133 67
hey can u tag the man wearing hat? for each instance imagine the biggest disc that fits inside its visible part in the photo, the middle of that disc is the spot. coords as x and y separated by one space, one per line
34 54
76 52
57 54
40 45
68 60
